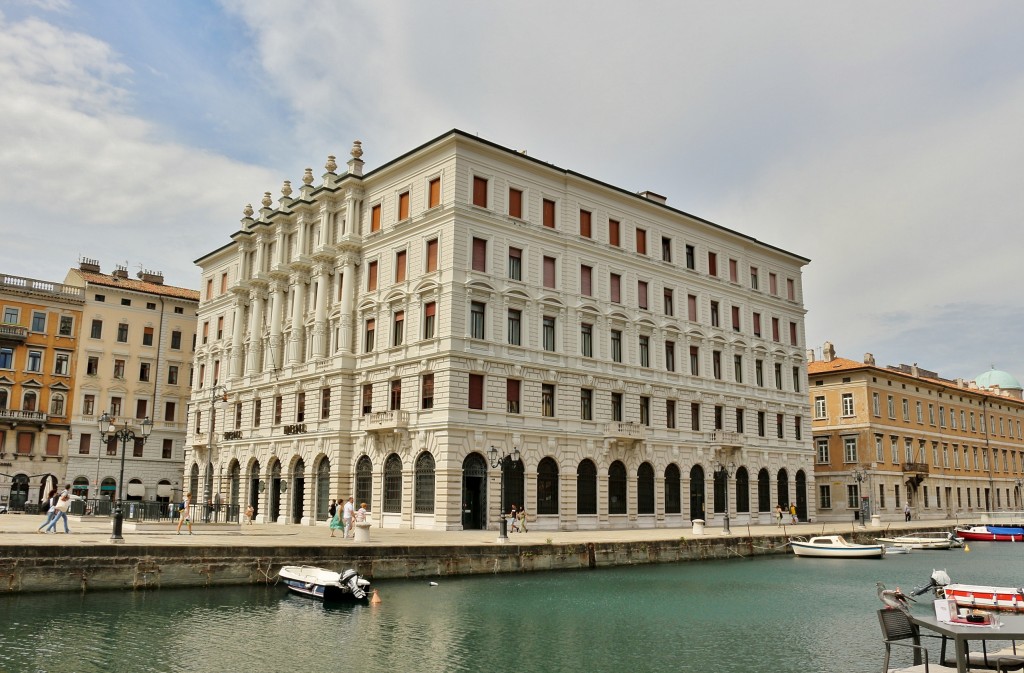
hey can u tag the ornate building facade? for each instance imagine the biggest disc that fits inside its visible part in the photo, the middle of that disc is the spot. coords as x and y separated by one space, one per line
378 334
134 362
39 334
890 437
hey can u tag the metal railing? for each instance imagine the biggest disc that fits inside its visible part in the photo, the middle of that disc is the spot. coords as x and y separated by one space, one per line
153 511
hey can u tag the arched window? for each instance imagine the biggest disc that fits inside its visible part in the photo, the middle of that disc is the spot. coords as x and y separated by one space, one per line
193 482
617 488
56 404
645 489
673 499
234 481
393 484
586 487
742 490
29 401
424 484
323 487
80 487
547 486
696 492
764 491
364 481
3 398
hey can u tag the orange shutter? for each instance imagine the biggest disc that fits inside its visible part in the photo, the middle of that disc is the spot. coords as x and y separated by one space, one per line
480 192
400 266
549 272
712 264
641 241
615 287
53 445
585 281
549 214
479 254
585 223
432 255
371 277
375 218
515 203
641 294
403 206
435 193
430 309
476 391
613 232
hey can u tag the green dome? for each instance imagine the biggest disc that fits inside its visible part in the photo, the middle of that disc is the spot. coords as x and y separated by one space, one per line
995 378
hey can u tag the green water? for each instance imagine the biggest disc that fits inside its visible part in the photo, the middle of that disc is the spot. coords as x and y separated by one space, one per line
779 614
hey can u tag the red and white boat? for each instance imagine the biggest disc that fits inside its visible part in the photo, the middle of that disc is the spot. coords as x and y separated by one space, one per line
991 533
1010 599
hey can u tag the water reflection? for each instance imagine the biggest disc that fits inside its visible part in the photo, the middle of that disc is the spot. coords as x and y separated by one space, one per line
799 614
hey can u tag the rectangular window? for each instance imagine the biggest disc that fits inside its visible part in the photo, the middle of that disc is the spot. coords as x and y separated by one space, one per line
775 329
735 310
367 398
257 412
666 249
613 233
400 266
691 307
167 449
122 333
434 193
694 360
645 411
300 407
792 334
515 263
586 280
773 284
368 339
176 340
712 263
223 286
431 255
515 203
670 356
118 369
734 272
480 255
115 406
645 350
371 277
585 223
670 414
396 395
403 206
512 391
797 377
668 302
547 399
479 191
278 407
757 324
790 289
798 427
549 333
819 406
375 218
476 391
614 284
66 326
586 404
548 213
144 371
88 405
61 364
172 375
549 272
691 257
716 364
761 422
83 443
641 241
849 449
616 406
209 288
780 421
737 368
515 323
740 421
616 342
325 403
714 314
220 332
641 294
429 310
587 340
398 328
778 376
206 331
427 391
476 319
695 416
38 321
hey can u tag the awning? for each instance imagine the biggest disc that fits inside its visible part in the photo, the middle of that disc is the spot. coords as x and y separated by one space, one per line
164 491
136 490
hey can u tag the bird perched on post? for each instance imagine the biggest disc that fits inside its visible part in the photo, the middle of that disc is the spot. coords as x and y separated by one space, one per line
894 599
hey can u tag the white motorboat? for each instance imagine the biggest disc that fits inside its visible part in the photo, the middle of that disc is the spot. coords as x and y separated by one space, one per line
834 546
923 540
974 596
326 585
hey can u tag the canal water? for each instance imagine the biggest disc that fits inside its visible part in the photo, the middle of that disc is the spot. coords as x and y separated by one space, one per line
780 614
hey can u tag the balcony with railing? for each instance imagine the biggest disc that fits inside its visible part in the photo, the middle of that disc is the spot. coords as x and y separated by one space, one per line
915 468
15 416
625 431
725 439
387 421
15 333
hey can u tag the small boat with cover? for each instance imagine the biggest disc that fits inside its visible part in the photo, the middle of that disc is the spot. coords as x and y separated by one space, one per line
834 546
924 540
326 585
991 533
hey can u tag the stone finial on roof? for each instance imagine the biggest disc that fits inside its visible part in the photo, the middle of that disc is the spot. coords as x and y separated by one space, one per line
331 164
355 164
307 177
357 149
267 201
286 188
247 211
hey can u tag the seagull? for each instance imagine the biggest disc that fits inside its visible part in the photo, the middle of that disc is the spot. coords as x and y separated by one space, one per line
894 599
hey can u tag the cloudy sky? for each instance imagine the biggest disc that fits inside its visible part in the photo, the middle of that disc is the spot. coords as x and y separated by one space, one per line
884 141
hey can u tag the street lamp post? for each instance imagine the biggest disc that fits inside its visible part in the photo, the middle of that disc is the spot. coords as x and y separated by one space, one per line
860 474
505 461
727 471
124 434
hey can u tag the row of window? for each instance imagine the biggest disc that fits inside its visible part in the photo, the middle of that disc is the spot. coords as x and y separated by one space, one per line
138 447
35 361
65 323
30 401
116 406
96 332
92 368
853 497
126 301
911 451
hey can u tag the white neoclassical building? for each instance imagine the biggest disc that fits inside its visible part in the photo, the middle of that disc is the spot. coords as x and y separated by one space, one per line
376 334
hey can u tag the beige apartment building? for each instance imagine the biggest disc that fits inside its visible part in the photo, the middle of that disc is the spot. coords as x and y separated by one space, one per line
134 362
39 336
888 438
389 334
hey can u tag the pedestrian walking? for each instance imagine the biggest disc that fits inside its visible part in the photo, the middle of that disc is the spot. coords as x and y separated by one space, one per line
335 520
51 502
906 512
346 517
778 516
792 513
186 514
61 511
249 513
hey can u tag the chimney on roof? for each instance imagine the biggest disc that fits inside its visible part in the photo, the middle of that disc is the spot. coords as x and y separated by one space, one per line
810 355
155 277
120 272
653 196
914 371
828 352
91 265
869 359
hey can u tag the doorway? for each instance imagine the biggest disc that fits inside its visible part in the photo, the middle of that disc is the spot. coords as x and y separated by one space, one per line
298 490
474 492
697 493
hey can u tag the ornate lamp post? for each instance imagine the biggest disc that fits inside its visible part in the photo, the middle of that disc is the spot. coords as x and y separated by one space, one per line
727 471
124 434
505 461
861 475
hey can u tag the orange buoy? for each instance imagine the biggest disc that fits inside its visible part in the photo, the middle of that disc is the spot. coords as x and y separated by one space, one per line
375 599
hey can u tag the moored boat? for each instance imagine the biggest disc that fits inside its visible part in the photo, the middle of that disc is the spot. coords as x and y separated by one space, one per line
834 546
1009 599
991 533
922 540
326 585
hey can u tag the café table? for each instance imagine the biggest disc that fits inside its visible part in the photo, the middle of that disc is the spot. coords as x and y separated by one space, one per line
1012 628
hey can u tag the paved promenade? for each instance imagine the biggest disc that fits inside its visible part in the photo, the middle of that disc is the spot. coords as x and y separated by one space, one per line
20 529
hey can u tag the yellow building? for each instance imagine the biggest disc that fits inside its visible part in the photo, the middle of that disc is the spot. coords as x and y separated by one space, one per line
898 438
39 328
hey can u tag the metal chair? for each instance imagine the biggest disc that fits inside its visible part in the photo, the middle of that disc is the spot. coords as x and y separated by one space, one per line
896 628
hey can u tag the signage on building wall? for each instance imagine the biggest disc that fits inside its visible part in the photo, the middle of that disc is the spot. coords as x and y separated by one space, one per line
297 429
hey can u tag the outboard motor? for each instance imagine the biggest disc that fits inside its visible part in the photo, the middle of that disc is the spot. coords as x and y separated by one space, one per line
356 585
940 578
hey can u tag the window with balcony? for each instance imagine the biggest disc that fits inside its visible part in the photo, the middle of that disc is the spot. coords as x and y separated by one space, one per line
427 391
616 406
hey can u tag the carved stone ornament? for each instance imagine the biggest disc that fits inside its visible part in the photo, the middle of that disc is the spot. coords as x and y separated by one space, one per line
286 188
331 164
247 211
267 201
307 177
357 149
